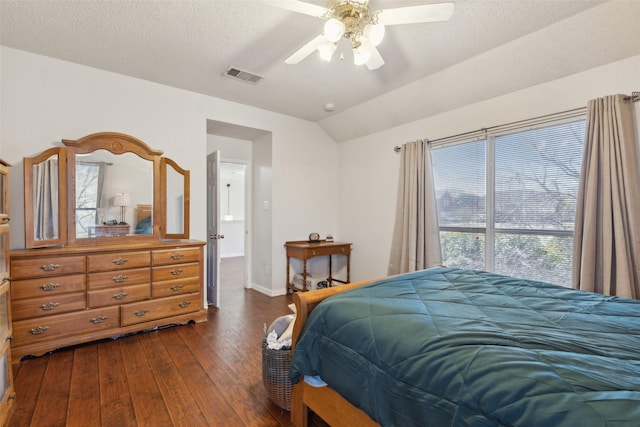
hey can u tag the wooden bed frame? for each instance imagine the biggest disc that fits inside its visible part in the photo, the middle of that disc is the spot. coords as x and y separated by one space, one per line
143 211
324 401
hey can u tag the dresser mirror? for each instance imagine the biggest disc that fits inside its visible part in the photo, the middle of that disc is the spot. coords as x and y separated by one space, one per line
45 212
175 199
104 188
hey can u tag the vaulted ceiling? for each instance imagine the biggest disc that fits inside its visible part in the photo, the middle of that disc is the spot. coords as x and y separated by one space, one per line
486 49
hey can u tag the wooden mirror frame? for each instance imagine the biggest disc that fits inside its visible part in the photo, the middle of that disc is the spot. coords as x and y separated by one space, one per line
116 143
164 165
28 164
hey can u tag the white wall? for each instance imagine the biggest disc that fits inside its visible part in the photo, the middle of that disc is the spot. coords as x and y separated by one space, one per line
45 100
369 166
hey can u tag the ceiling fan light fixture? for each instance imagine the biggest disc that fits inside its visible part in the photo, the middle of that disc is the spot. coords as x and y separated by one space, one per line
333 30
375 33
352 19
360 55
326 50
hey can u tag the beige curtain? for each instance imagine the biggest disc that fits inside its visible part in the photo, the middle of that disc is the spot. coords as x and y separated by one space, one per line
416 239
45 199
607 230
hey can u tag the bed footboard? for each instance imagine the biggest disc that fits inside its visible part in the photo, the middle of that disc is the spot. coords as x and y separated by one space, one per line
324 401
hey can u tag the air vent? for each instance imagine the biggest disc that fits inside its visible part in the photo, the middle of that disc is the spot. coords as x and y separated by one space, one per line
242 75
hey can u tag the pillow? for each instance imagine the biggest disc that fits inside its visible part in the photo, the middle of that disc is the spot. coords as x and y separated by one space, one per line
281 324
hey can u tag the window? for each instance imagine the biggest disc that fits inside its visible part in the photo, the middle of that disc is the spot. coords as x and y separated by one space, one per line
87 200
507 200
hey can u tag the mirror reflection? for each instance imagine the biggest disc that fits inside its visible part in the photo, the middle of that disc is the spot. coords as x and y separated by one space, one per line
114 194
175 201
45 199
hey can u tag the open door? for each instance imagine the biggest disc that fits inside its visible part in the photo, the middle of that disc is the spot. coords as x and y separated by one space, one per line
213 228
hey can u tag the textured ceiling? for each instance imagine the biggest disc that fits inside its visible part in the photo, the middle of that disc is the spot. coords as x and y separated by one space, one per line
190 44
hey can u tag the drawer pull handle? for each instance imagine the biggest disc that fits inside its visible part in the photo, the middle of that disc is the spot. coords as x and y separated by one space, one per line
121 295
176 287
50 287
5 280
313 253
120 261
140 313
50 306
177 256
49 267
176 272
98 319
119 279
39 330
185 304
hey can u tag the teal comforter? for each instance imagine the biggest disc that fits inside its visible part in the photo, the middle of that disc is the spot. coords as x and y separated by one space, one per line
451 347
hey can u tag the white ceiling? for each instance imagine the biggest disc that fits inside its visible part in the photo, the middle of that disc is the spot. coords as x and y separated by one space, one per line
190 44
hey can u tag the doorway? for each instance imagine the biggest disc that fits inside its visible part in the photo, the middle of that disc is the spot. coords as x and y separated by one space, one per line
250 147
232 214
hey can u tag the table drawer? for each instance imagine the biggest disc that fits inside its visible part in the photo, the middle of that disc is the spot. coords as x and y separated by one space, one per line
177 271
118 261
109 279
324 251
175 287
49 286
175 256
46 267
118 295
51 328
47 305
147 311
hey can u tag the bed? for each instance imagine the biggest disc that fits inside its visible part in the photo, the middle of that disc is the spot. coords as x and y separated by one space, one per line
144 218
452 347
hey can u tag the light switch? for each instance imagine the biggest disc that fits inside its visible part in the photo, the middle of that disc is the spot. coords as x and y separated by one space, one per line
265 205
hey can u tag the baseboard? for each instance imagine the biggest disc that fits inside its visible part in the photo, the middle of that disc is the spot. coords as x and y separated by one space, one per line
267 291
232 255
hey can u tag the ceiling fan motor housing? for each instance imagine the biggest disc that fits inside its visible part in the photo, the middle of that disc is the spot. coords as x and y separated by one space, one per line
351 13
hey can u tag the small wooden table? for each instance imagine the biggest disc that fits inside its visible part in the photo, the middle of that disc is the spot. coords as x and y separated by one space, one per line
305 250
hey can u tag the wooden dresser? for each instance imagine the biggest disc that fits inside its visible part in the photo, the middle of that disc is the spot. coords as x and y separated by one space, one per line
71 295
7 394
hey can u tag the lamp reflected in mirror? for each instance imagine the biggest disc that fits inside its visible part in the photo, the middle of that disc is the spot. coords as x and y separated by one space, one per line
122 200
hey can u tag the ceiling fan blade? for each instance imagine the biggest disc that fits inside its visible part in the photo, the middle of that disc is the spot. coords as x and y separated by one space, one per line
375 59
416 14
300 7
305 50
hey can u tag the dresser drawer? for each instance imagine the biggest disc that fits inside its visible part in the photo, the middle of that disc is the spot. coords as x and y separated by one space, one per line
46 267
47 286
175 287
118 295
147 311
118 261
48 305
175 256
109 279
50 328
177 271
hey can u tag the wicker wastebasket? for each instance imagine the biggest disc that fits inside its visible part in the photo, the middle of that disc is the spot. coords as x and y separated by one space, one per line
275 375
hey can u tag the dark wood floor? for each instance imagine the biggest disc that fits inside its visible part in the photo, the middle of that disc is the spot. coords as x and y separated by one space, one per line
209 374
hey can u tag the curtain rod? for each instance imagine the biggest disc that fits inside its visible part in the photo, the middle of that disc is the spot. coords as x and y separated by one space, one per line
634 97
536 120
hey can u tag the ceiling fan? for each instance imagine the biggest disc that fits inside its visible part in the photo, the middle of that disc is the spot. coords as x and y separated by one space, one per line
365 29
